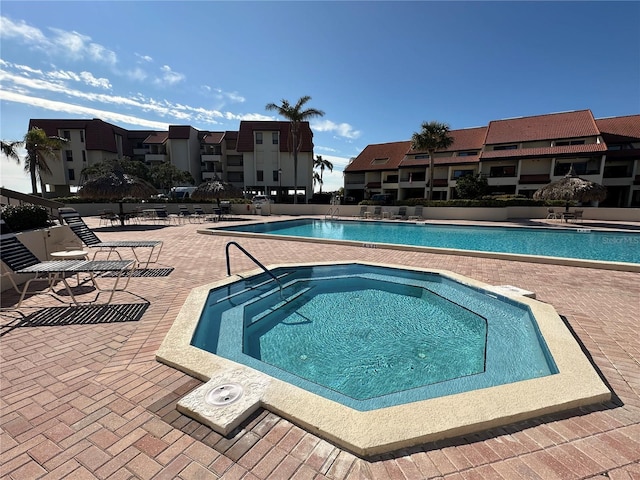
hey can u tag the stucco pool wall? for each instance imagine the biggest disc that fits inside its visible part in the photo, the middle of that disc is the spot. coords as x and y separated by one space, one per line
387 429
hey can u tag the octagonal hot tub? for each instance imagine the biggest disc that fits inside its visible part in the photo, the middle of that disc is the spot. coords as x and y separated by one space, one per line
374 357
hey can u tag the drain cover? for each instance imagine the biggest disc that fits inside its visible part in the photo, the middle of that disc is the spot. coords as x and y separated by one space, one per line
226 394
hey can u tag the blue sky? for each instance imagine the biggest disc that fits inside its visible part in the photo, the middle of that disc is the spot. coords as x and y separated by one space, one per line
377 69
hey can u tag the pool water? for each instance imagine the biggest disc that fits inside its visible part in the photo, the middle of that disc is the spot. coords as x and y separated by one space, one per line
370 336
565 243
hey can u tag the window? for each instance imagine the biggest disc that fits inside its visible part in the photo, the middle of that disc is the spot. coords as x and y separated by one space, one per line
470 153
274 138
66 134
234 160
503 171
569 142
82 136
391 179
461 173
84 155
259 138
72 174
235 176
69 155
276 175
506 147
260 175
421 157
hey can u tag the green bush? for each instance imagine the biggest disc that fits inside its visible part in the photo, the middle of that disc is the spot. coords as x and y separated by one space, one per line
25 217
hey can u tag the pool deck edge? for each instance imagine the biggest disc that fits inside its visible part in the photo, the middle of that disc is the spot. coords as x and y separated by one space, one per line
392 428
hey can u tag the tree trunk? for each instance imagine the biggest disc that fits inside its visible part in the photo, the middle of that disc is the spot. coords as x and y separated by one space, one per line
430 196
295 166
32 174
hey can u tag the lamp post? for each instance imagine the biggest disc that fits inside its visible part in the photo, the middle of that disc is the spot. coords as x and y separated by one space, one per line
279 184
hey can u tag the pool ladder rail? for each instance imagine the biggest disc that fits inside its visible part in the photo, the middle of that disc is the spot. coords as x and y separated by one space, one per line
254 260
332 213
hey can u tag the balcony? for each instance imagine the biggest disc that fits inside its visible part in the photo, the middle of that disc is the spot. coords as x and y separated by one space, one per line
156 158
210 158
541 179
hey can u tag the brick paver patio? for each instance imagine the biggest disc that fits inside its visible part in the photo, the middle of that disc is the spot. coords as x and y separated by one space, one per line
83 397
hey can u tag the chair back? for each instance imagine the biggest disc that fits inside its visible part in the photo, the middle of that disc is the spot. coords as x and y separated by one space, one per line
72 218
377 210
402 211
198 209
418 210
13 252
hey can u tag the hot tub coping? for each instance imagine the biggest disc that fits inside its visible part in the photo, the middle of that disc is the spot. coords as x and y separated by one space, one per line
387 429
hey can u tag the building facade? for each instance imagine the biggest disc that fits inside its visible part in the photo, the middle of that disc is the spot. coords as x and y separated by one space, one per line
516 156
256 159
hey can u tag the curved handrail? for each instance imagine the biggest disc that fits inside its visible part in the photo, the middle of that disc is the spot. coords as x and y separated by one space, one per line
254 260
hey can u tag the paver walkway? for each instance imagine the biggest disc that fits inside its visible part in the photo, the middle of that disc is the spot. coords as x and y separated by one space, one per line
83 397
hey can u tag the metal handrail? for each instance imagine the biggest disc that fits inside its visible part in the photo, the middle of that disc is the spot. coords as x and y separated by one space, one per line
254 260
332 213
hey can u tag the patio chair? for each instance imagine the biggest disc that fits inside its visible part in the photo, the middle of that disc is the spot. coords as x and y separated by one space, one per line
551 214
185 213
199 214
72 218
417 213
401 215
363 212
17 259
377 212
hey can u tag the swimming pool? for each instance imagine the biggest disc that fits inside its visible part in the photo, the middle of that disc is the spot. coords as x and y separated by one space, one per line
234 391
371 337
578 244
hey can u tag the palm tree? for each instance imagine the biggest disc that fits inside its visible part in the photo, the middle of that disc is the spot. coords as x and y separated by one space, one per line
9 150
321 163
40 148
434 136
317 178
296 115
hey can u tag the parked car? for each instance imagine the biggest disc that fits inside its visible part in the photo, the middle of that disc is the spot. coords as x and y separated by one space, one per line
259 199
382 198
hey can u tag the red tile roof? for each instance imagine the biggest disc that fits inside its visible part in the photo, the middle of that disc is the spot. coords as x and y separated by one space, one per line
464 139
542 127
212 138
628 126
394 152
245 135
545 151
180 132
157 137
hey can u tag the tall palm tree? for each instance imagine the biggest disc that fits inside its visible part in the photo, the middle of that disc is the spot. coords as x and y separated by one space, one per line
321 163
433 136
9 150
296 115
40 148
317 178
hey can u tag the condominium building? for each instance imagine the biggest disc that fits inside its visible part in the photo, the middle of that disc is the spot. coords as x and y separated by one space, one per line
516 156
256 159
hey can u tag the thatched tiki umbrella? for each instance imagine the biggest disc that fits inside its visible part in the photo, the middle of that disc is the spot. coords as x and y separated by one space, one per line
115 186
215 189
572 188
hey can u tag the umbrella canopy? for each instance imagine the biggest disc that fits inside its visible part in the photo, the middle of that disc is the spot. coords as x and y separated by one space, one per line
572 188
215 190
115 186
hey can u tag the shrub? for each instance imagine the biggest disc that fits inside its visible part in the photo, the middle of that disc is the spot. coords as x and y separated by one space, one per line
25 217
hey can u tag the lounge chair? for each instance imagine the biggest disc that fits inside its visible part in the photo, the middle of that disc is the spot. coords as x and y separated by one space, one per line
377 212
72 218
185 213
401 215
17 259
199 214
363 212
551 214
417 213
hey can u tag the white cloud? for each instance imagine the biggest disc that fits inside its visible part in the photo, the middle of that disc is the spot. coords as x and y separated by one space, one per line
22 31
72 109
144 58
80 47
341 129
92 81
169 77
